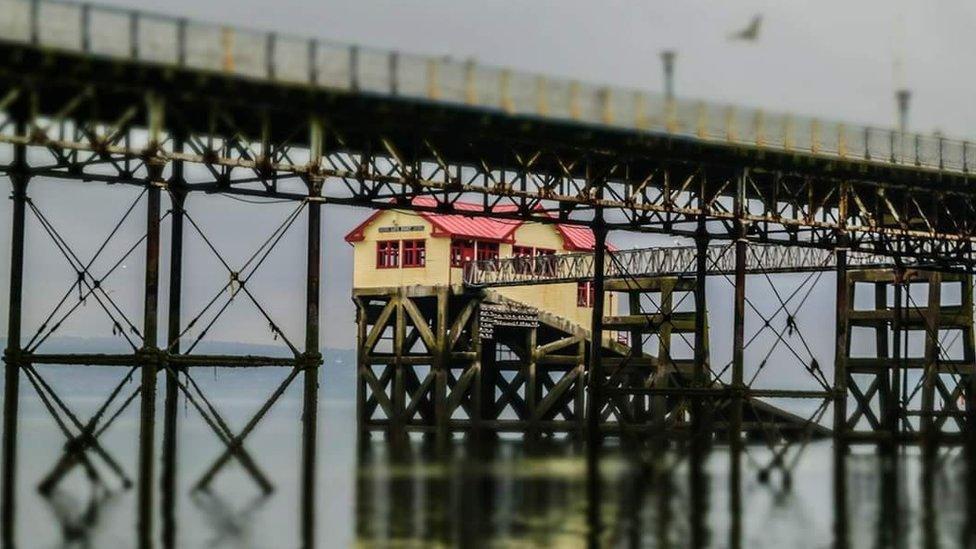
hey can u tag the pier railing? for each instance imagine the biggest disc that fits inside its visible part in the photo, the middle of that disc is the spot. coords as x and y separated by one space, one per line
661 261
150 38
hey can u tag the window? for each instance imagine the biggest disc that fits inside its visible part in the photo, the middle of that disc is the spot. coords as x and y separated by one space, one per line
584 294
522 251
387 254
414 253
462 251
487 250
545 264
523 261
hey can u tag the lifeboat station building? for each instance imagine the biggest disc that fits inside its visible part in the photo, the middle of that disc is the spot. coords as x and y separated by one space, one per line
397 249
436 355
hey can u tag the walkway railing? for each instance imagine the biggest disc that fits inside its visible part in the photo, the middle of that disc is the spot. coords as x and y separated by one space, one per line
664 261
131 35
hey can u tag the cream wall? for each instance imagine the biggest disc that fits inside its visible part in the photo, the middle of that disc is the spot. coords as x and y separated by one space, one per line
557 299
365 273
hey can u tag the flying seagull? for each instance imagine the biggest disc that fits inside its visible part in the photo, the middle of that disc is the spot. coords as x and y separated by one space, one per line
750 33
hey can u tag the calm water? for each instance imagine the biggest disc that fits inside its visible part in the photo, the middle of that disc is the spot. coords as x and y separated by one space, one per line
506 494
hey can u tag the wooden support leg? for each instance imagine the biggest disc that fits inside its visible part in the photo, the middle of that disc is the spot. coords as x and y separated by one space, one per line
931 373
842 336
532 386
441 365
659 403
883 373
894 412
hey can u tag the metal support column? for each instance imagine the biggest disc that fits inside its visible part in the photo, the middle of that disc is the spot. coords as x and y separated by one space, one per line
594 379
149 354
840 345
842 328
311 378
700 425
19 178
738 368
594 402
149 362
930 373
893 413
840 399
313 358
168 484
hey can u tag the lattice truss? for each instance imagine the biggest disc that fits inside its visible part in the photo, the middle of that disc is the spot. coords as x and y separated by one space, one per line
252 145
92 274
87 297
911 352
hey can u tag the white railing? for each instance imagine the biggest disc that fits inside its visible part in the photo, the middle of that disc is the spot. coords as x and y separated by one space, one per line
665 261
117 33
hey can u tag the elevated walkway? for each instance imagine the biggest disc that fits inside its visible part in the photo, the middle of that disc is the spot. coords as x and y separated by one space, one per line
658 261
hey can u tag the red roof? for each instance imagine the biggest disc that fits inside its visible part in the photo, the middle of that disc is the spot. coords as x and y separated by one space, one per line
575 237
479 228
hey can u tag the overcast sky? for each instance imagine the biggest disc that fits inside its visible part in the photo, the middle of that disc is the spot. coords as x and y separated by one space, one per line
829 58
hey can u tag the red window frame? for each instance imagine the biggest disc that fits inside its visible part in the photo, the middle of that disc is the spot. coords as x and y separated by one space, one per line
486 250
585 296
414 253
462 251
387 254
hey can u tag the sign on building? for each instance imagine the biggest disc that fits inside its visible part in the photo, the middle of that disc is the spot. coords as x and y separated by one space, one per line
401 229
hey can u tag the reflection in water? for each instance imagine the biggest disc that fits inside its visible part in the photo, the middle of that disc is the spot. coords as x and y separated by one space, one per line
516 493
231 525
512 493
79 520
